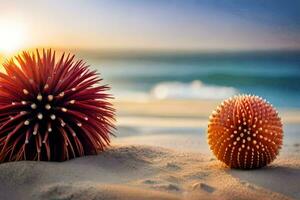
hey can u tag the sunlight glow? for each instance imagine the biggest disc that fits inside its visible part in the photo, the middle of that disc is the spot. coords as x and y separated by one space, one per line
12 36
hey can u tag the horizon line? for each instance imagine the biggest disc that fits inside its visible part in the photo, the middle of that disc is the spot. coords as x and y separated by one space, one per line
147 51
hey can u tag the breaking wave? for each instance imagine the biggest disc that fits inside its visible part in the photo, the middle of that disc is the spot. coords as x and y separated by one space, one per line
193 90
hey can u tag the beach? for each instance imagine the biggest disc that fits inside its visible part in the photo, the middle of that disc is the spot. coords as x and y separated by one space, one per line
145 100
159 152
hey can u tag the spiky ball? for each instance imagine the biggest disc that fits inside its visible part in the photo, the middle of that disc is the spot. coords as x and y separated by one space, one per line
245 132
52 109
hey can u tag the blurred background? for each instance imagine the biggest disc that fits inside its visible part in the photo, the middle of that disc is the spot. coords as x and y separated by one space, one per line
203 49
169 62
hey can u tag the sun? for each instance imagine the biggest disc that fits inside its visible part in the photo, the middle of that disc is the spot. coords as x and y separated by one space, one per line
12 36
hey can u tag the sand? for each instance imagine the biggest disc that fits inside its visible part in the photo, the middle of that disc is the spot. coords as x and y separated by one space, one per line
144 172
160 153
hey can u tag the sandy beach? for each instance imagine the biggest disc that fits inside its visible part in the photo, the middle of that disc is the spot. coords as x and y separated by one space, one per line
150 95
160 152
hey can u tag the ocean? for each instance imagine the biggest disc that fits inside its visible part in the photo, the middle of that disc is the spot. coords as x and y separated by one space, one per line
273 75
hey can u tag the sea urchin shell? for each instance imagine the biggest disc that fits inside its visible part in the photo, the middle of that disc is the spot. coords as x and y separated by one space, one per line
245 132
52 110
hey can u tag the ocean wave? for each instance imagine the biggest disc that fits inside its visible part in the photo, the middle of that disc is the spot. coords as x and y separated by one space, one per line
193 90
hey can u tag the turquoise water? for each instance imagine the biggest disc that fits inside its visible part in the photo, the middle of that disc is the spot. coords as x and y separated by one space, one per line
273 75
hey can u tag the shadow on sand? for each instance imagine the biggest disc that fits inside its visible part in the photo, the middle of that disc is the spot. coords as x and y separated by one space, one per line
279 179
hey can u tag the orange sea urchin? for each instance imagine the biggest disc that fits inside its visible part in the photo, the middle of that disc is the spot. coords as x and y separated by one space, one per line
52 110
245 132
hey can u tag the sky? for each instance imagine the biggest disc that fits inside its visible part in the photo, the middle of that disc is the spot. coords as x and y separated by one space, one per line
153 24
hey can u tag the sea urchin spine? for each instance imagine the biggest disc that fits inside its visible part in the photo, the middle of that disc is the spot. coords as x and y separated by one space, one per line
245 132
52 110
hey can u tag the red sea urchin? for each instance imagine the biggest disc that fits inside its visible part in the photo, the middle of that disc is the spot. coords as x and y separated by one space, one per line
245 132
52 110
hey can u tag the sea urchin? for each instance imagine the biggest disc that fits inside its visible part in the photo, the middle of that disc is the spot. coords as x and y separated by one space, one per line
52 110
245 132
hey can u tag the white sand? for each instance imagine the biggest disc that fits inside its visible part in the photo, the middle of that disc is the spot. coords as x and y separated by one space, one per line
143 172
160 153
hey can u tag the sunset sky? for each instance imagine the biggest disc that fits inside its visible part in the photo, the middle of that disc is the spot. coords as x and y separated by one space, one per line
137 24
